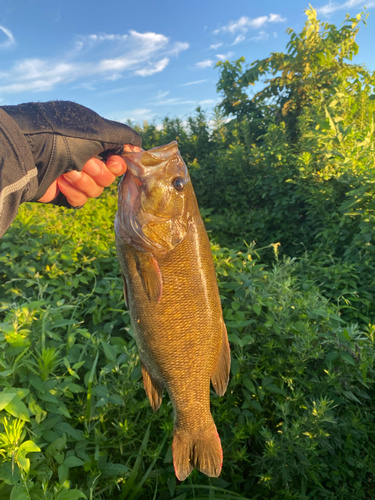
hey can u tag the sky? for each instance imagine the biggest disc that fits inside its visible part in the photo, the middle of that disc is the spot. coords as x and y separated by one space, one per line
147 59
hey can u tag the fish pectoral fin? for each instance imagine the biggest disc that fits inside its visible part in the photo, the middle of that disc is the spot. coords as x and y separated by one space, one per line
125 291
220 376
150 274
154 389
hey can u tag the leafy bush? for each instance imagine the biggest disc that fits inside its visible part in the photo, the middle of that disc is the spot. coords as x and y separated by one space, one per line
297 419
293 163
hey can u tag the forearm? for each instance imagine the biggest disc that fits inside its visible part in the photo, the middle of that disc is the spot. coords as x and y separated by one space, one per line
18 174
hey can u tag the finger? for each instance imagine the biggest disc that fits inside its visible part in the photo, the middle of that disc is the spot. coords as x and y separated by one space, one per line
84 182
75 197
116 165
129 148
50 194
98 171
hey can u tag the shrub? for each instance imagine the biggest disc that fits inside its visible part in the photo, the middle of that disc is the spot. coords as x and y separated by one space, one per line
296 421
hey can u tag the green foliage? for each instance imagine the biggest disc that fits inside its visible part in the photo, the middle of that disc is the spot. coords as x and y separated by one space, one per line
295 162
297 419
292 169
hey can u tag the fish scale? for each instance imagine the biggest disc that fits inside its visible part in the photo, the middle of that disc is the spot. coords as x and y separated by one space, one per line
181 336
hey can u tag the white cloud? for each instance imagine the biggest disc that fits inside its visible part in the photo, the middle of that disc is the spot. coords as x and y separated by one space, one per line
114 77
178 47
136 115
207 101
84 86
245 23
101 37
98 57
153 68
161 94
239 39
173 101
129 88
276 18
224 57
262 35
331 7
10 38
192 83
177 101
205 64
149 41
118 64
215 46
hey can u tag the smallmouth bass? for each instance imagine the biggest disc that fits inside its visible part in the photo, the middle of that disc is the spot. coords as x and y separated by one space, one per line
171 290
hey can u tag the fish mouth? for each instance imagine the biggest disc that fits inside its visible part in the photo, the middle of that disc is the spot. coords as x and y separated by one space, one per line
144 163
132 220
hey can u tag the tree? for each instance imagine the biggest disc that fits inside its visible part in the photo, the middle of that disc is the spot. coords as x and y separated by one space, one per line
317 60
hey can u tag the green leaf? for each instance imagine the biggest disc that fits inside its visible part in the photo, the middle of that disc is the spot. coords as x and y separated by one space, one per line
267 381
63 472
257 308
347 357
73 461
255 404
58 445
116 399
19 392
274 388
29 446
75 388
351 396
110 469
331 356
19 493
109 351
18 409
23 462
70 495
248 384
9 474
6 398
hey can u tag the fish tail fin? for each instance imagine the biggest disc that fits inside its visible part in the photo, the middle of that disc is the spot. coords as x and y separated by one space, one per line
200 450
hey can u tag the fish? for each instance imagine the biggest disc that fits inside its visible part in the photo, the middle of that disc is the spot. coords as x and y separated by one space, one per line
171 290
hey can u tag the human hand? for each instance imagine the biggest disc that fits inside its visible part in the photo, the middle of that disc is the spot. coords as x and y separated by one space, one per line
90 182
64 138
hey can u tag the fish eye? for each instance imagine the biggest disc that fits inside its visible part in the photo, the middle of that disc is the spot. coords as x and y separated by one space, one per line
179 183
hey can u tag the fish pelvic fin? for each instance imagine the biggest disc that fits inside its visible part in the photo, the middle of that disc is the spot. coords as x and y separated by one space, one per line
154 389
220 376
150 274
201 450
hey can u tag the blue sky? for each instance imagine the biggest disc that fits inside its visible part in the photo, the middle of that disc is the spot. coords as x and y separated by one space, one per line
143 60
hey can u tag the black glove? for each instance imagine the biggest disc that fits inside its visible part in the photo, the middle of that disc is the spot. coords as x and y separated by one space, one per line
64 135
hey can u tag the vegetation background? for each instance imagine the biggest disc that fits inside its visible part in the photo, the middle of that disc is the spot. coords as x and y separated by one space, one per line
285 179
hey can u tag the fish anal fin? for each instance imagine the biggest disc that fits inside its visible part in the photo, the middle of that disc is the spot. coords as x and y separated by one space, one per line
220 376
154 389
125 291
150 274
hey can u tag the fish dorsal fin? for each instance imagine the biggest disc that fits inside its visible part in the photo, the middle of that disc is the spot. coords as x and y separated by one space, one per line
154 389
150 275
220 376
125 291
